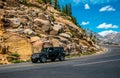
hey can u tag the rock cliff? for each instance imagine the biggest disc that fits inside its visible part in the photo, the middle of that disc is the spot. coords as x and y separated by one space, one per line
25 29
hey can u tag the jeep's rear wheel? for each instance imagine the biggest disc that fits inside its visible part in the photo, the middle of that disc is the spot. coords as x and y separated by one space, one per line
43 59
34 60
62 58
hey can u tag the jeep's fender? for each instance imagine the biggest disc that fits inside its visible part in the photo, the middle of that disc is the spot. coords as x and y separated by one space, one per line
43 54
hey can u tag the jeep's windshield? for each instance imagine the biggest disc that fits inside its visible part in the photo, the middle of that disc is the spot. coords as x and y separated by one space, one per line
44 50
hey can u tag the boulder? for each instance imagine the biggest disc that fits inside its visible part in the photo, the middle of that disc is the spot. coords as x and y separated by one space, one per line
47 42
44 24
34 39
15 22
37 43
18 44
42 16
56 29
55 42
3 59
53 32
29 32
71 48
6 22
1 5
65 35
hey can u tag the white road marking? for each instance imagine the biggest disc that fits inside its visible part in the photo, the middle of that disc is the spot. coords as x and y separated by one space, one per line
97 62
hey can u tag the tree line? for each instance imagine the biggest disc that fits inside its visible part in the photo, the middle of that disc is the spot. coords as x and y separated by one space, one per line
65 10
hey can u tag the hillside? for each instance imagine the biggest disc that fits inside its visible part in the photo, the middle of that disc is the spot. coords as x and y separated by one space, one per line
25 29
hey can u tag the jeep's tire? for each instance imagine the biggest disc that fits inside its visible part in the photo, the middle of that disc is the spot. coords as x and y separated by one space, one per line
53 59
34 60
43 59
61 58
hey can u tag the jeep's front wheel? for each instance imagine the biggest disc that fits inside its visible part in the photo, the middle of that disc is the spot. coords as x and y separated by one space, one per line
61 58
34 60
43 59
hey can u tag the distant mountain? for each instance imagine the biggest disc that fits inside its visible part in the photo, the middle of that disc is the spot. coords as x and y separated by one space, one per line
113 38
98 37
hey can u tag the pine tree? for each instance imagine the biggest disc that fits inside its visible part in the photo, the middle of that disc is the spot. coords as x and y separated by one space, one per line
44 1
56 4
91 36
74 20
67 9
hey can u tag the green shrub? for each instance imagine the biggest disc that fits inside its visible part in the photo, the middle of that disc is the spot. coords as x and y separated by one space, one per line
73 33
15 54
40 1
52 16
39 35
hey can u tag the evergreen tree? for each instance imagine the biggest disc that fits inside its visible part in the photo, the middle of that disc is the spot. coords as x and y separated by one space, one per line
74 20
91 36
56 4
63 10
44 1
67 9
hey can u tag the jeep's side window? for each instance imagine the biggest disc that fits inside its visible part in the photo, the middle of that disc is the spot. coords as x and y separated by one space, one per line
51 49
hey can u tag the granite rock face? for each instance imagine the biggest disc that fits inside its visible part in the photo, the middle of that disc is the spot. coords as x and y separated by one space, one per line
27 29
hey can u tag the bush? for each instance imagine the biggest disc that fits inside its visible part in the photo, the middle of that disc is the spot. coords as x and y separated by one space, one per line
40 1
73 33
52 16
15 54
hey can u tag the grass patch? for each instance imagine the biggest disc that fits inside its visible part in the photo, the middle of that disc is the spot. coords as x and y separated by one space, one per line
15 61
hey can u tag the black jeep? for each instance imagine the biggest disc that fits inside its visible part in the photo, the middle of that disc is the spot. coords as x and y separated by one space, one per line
51 53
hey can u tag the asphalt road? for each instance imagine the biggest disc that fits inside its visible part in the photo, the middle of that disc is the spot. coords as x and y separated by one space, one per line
105 65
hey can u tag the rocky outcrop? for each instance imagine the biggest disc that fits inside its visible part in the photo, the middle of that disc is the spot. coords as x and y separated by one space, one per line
27 29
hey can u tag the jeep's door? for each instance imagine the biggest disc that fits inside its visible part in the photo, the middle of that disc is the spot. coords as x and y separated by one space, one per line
50 51
56 52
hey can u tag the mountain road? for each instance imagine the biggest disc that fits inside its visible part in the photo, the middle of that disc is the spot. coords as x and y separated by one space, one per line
103 65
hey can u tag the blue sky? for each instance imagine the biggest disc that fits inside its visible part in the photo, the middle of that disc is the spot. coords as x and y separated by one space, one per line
101 16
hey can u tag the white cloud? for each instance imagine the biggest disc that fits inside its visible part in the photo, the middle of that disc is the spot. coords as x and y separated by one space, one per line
87 6
106 26
85 23
77 2
107 8
93 1
104 33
